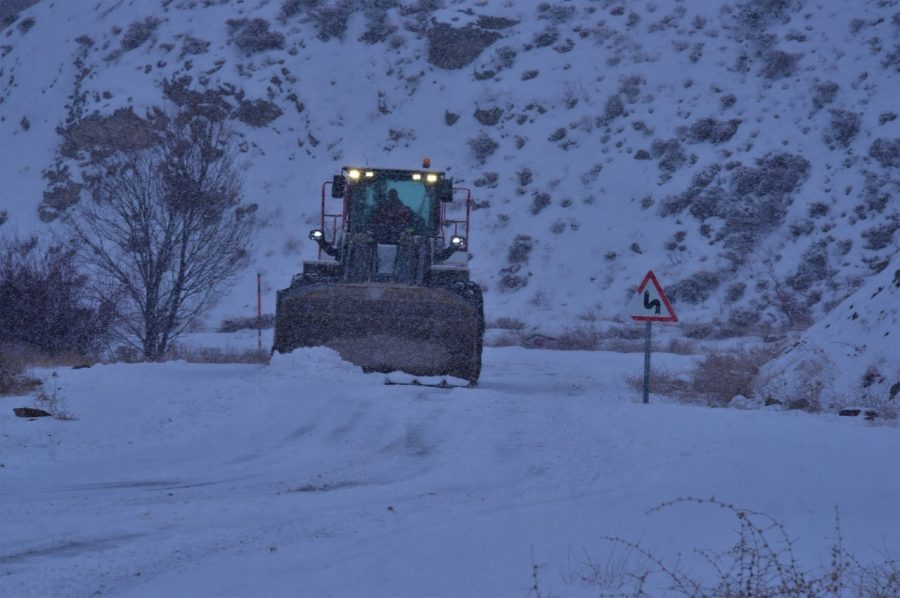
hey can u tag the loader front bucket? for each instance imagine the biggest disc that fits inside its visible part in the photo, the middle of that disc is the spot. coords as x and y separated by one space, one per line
384 328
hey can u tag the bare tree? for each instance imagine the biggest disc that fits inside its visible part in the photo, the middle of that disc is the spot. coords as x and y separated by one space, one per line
164 230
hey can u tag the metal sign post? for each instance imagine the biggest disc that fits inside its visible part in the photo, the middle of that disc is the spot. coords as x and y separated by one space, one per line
647 364
649 305
259 312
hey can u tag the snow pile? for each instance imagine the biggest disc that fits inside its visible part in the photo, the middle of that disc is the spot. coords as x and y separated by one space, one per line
313 362
850 357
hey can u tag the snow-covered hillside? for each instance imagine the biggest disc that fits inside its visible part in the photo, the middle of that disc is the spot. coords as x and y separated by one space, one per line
745 151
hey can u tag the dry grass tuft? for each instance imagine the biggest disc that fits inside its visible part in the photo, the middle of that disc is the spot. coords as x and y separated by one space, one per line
589 334
720 376
14 359
216 355
665 382
505 338
51 399
680 346
715 380
577 338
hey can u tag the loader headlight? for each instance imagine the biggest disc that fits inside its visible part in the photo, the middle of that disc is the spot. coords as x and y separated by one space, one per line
325 246
416 176
353 174
431 178
457 243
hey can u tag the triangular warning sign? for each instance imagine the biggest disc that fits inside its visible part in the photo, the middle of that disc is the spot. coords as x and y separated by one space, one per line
650 303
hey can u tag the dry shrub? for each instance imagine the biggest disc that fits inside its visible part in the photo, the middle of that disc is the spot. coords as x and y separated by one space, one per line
587 337
247 323
681 346
578 338
13 360
622 345
71 359
718 377
216 355
762 562
506 323
625 339
665 382
43 300
253 35
630 332
51 399
715 380
506 338
608 575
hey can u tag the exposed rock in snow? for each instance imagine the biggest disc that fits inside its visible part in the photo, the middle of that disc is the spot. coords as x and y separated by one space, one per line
742 402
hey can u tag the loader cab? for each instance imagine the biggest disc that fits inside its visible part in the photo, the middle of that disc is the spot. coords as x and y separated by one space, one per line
417 203
389 203
407 226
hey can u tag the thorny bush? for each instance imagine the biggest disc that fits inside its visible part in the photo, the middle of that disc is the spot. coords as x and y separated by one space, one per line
43 301
762 563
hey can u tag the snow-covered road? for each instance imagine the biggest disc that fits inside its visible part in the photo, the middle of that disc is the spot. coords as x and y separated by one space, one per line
309 478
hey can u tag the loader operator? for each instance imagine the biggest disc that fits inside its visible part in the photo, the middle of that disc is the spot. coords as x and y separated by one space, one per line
391 218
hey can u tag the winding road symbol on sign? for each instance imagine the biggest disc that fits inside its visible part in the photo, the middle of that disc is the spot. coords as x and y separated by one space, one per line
650 303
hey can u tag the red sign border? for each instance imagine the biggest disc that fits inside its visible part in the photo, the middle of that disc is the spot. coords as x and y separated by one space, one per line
651 277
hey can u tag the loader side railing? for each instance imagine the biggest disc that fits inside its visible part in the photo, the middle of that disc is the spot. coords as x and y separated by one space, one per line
332 223
460 225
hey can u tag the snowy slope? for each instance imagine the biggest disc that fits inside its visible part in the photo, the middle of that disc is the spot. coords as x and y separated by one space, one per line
737 149
850 357
309 478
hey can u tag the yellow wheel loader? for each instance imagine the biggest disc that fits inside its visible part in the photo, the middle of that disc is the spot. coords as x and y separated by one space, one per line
390 290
